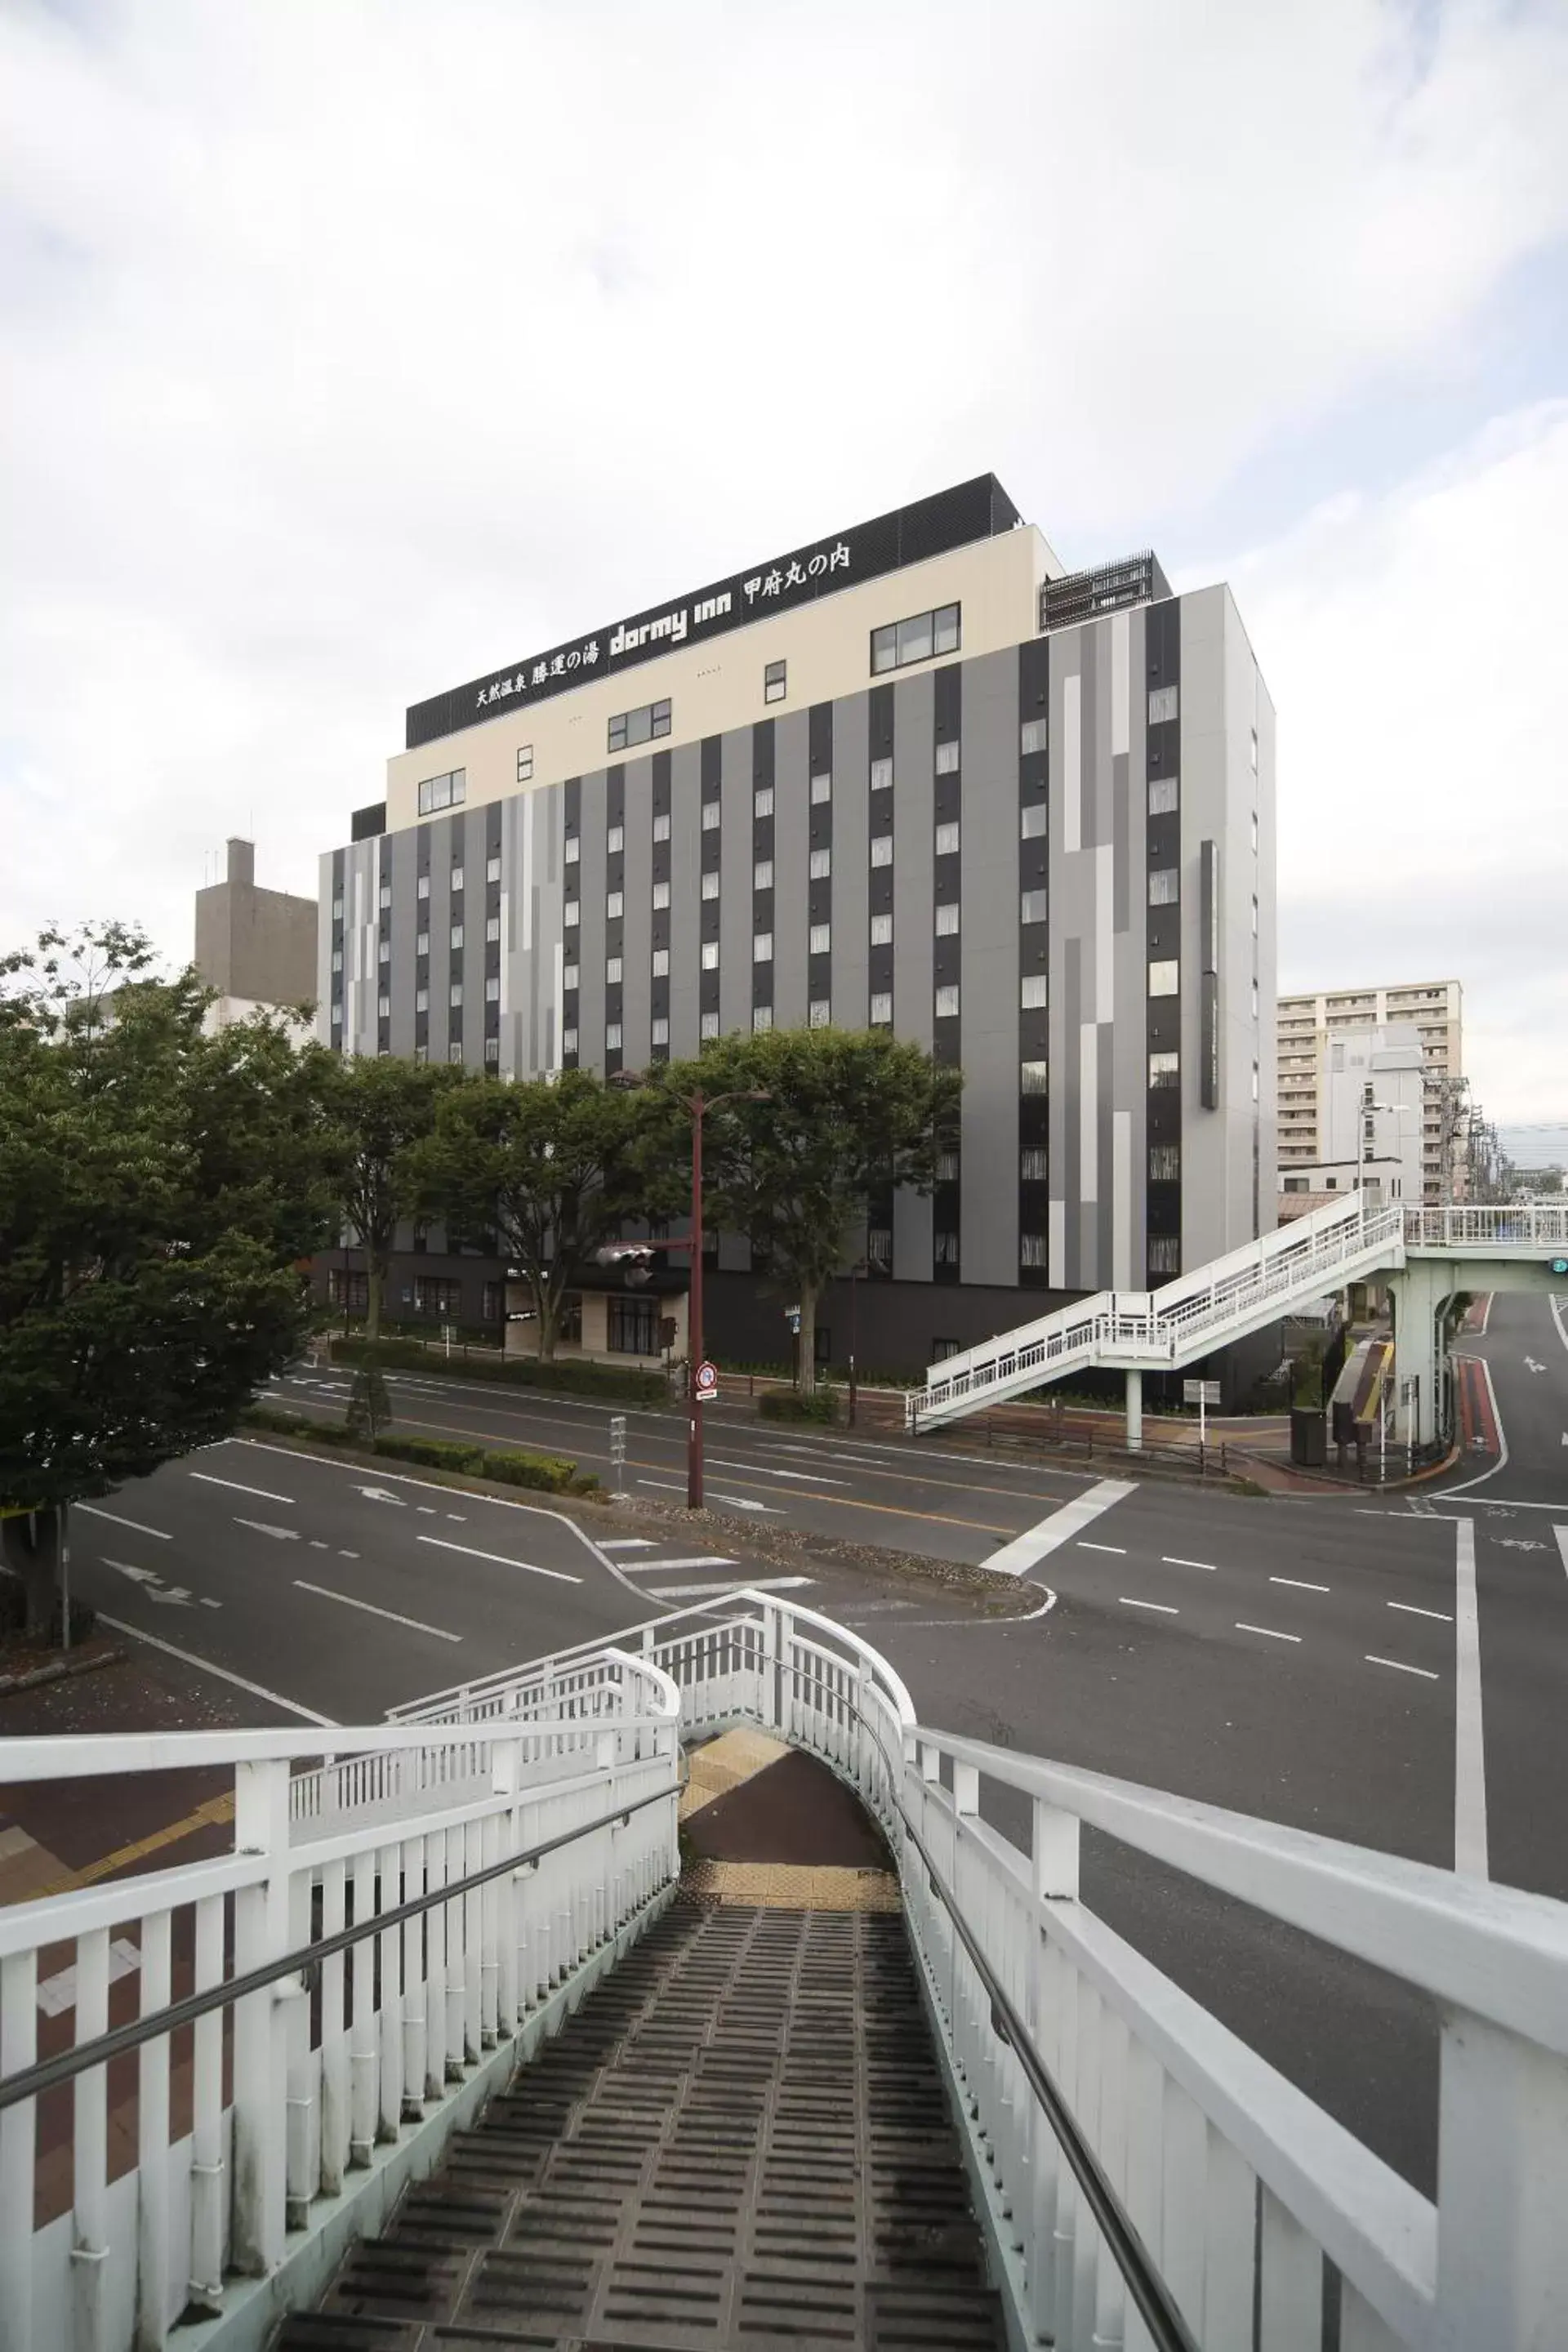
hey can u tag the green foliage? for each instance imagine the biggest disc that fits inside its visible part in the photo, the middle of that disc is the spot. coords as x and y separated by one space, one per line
819 1404
435 1452
552 1167
381 1110
566 1378
370 1407
551 1472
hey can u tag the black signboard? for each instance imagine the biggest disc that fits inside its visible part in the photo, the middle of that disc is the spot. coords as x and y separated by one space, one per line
976 509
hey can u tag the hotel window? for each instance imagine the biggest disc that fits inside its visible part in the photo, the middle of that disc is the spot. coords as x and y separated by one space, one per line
338 910
661 825
383 1006
1033 1166
710 955
421 1054
1255 918
1255 1082
573 849
1033 905
1254 834
455 935
492 869
570 976
1164 1069
820 940
660 896
337 959
385 896
612 1038
941 1350
882 775
1162 704
1165 1254
713 814
1164 795
882 849
821 864
422 888
775 676
1165 977
421 943
1255 750
613 971
614 839
659 1033
525 763
455 993
762 1017
947 1249
615 905
709 883
709 1026
421 1000
916 639
492 988
1254 999
947 1003
639 726
820 1013
384 951
947 920
1034 1077
762 946
443 791
661 963
881 931
1032 822
821 788
1164 882
570 911
455 1050
762 801
1164 1163
492 929
457 877
947 1167
947 759
633 1328
763 874
947 840
1031 1249
492 1049
1032 992
337 1016
1031 736
882 1009
569 1041
879 1245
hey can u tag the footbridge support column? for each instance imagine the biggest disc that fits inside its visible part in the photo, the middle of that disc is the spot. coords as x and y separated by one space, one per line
1134 1413
1417 1292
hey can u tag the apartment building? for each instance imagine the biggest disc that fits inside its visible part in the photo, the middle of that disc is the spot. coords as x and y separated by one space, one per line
910 774
1307 1027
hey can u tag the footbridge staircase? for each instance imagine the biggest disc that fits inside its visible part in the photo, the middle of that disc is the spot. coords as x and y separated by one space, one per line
443 2055
1493 1247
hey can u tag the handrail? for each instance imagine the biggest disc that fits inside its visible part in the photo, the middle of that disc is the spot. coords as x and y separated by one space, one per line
31 2082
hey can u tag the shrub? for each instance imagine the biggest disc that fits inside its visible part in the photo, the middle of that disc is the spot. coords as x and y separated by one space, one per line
276 1418
792 1404
432 1452
567 1378
551 1471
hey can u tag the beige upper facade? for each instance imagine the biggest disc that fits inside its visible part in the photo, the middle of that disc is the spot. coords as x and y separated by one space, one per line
717 685
1305 1026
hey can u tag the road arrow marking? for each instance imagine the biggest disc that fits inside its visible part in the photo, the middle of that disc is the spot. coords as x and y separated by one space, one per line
174 1592
137 1575
283 1535
381 1494
1532 1364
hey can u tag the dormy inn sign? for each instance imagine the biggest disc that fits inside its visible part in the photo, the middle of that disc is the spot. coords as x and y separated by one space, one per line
975 510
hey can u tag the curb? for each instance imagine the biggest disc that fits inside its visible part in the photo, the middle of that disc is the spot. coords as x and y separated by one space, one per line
63 1670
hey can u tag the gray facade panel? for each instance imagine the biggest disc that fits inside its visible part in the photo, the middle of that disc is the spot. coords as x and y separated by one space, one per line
914 878
686 853
792 858
405 920
637 935
590 953
475 832
988 1201
324 866
851 856
735 883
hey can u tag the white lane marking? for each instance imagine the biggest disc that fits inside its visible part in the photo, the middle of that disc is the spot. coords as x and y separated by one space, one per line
1557 1318
1267 1632
1469 1746
415 1625
1427 1675
979 1624
427 1510
460 1516
1016 1558
663 1567
1443 1616
58 1993
739 1502
759 1470
1120 1549
94 1511
1562 1536
137 1575
265 1492
676 1485
347 1555
283 1535
1299 1582
1502 1462
317 1545
206 1666
627 1543
209 1604
441 1543
1164 1607
380 1495
1169 1559
705 1591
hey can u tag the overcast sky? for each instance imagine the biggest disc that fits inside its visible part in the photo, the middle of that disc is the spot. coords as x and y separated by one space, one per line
354 349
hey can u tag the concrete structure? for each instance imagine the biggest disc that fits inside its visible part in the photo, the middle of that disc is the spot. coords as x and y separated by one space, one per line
1308 1025
907 776
1372 1103
256 947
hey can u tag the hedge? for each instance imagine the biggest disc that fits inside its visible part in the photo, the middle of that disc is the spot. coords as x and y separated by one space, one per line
432 1452
792 1404
552 1473
568 1378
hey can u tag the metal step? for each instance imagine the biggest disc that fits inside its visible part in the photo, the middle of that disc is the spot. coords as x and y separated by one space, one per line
740 2143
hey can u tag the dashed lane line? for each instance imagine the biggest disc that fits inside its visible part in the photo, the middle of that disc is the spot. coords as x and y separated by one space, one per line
1269 1632
1443 1616
96 1511
1163 1608
266 1493
1300 1583
415 1625
1169 1559
1400 1667
1120 1549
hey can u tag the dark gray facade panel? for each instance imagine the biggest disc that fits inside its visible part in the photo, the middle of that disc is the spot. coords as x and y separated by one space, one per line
915 871
637 936
792 858
474 837
988 900
592 877
851 864
403 846
686 857
735 882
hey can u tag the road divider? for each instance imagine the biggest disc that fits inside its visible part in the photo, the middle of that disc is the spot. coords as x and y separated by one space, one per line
550 1474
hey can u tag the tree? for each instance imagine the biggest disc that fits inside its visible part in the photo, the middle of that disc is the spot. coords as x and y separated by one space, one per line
382 1109
158 1190
553 1168
848 1114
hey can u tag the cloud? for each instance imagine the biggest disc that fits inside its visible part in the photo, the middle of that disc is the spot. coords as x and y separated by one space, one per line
355 347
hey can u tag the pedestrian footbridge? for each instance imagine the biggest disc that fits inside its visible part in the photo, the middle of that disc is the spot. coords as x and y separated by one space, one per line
444 2055
1426 1254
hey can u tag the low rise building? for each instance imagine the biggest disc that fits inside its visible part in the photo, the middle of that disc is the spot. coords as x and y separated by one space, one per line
1307 1029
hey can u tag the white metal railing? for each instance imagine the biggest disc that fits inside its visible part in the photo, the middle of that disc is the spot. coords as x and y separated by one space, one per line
1223 1300
309 2015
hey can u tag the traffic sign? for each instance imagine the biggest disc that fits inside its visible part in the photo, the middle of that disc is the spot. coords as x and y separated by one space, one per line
1200 1392
707 1382
1560 1265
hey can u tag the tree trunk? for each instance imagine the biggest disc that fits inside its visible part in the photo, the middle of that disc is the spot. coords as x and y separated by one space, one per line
548 1302
806 1356
374 1275
30 1546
